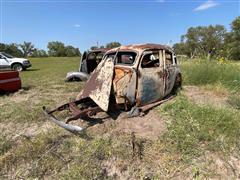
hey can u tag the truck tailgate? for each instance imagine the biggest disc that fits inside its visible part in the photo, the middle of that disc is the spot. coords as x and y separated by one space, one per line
9 81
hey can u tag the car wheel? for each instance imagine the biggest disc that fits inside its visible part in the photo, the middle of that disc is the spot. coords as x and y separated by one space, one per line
17 67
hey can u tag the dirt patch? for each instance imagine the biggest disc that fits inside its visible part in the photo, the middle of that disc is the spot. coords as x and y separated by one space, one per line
203 97
113 170
215 166
149 126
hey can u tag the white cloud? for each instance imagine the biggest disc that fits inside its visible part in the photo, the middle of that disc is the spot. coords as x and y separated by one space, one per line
77 25
208 4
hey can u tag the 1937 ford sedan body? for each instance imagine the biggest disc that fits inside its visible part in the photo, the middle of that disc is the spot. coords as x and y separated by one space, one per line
128 78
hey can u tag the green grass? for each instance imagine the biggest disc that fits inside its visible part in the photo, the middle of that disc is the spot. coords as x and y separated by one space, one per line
234 100
202 72
42 85
48 71
195 128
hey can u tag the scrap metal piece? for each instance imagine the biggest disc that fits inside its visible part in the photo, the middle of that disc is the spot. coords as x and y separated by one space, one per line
77 113
134 112
98 87
69 127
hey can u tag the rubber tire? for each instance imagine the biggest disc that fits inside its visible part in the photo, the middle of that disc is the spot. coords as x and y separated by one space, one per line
17 67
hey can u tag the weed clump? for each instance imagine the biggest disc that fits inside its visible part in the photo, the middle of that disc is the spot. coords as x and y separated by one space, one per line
234 101
5 144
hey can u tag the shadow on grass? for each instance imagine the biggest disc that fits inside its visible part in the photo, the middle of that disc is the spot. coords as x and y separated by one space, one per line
27 88
28 70
21 91
3 94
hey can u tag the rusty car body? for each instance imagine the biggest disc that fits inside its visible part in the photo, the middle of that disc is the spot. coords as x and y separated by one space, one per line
132 78
88 62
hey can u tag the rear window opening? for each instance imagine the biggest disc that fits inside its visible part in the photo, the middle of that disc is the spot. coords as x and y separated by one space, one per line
169 59
151 60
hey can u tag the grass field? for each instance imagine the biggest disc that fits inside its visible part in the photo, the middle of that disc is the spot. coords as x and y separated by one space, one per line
198 135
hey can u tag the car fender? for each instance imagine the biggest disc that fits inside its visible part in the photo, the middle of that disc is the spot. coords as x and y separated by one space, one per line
77 75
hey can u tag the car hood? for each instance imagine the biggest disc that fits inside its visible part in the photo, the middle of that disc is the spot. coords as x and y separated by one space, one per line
17 60
98 87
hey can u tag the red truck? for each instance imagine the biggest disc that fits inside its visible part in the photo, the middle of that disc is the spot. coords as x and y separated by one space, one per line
9 81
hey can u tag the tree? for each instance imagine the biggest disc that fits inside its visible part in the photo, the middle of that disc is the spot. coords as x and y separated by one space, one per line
113 45
71 51
56 49
202 41
27 48
39 53
11 49
233 40
108 45
2 47
180 48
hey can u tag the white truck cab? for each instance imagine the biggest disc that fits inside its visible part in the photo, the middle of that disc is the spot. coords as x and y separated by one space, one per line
18 64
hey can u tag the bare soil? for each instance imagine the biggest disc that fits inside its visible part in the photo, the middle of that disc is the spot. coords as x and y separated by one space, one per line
205 97
149 126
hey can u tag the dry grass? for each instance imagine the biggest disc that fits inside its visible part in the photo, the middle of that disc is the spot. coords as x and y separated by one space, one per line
199 141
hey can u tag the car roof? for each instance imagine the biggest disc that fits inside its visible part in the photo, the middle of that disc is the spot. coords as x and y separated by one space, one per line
141 47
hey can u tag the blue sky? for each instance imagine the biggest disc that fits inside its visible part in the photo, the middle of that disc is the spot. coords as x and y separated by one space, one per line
84 23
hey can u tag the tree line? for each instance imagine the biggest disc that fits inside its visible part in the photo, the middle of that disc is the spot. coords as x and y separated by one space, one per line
211 42
108 45
55 49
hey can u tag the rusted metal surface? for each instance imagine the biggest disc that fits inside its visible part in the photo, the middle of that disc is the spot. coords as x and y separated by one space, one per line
154 104
151 81
98 87
136 77
141 47
124 84
76 114
82 113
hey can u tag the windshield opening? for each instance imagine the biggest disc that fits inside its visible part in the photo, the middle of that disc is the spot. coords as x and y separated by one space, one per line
123 58
93 59
7 55
95 56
